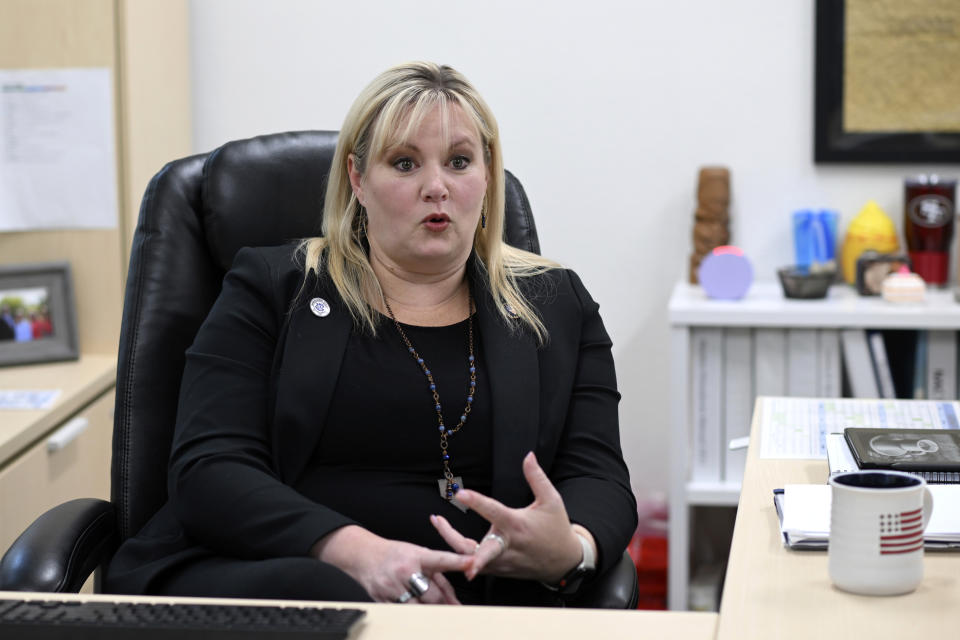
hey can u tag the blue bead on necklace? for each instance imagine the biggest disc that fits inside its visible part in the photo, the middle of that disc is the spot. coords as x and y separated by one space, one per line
449 481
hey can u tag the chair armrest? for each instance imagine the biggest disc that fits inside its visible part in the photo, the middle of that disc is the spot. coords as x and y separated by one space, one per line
615 589
61 548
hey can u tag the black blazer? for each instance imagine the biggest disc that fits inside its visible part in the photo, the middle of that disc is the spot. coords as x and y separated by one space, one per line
259 379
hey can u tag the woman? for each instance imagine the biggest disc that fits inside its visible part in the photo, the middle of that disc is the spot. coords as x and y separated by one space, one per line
401 406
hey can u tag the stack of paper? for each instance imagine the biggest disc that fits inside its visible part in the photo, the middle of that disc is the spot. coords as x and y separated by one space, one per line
839 457
804 512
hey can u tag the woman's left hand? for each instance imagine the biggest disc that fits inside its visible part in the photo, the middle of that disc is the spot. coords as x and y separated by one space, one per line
538 540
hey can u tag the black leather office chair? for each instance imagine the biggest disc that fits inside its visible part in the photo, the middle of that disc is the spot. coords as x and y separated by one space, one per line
196 214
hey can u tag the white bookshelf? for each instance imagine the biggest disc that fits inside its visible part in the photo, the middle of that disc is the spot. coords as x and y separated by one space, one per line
764 306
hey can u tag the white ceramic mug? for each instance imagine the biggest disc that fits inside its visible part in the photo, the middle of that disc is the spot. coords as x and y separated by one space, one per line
877 520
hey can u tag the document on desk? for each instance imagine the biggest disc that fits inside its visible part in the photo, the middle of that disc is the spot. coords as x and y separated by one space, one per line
28 399
798 427
804 512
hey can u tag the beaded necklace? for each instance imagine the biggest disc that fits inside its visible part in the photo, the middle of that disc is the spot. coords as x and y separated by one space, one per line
448 484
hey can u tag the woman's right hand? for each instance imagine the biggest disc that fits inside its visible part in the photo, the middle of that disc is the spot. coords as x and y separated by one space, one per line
384 567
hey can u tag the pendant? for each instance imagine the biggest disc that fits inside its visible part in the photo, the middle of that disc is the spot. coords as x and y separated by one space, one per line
442 484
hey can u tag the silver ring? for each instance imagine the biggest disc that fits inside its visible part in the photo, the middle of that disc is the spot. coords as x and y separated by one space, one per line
406 595
498 538
418 584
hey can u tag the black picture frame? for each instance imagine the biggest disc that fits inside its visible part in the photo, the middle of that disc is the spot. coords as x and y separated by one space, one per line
36 285
832 144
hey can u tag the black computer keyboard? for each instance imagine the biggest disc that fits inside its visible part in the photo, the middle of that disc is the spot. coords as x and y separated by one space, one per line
80 620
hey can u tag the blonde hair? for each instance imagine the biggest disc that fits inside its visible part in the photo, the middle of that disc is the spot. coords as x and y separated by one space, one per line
384 115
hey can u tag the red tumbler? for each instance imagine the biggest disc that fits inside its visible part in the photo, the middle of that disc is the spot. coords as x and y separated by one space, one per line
928 225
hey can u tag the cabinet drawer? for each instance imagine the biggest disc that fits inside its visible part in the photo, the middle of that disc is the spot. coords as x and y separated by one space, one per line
72 461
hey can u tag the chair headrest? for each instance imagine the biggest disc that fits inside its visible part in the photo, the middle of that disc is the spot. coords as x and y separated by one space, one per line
269 190
264 191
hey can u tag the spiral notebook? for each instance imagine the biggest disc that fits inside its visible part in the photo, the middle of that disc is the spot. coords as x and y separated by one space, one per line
933 454
840 459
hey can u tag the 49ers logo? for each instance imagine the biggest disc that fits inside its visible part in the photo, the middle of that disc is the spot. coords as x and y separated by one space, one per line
930 210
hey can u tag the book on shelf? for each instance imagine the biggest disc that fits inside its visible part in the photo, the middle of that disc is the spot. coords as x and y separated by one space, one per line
881 365
737 397
802 367
770 361
859 364
902 351
920 367
706 387
828 364
941 364
804 514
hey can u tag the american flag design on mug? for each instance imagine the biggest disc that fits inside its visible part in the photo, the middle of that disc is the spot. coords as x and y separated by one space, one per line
901 532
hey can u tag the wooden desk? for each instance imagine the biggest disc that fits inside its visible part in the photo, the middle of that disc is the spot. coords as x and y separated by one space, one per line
772 592
425 622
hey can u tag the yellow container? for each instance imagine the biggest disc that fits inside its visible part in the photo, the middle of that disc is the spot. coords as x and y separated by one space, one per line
870 229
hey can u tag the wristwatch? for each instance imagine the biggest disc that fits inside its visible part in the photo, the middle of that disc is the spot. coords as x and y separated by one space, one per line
571 581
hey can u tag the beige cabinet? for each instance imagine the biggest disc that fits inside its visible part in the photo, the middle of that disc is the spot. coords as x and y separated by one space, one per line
49 456
71 461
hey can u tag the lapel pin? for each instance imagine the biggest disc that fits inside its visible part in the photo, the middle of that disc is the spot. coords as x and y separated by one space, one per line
320 307
513 314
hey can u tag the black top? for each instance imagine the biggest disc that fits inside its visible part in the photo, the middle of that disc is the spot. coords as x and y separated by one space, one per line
378 458
259 385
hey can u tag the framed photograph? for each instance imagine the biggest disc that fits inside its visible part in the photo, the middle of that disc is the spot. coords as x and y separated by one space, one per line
37 314
887 81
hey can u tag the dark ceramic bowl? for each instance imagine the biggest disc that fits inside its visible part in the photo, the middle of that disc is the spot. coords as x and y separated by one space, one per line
808 285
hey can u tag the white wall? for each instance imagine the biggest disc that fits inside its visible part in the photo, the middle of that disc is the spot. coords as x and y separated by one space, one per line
607 109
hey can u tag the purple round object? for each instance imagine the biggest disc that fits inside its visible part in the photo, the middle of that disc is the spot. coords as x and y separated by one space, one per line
725 276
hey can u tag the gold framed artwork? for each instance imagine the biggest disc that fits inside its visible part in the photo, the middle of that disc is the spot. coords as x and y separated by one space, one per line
887 81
